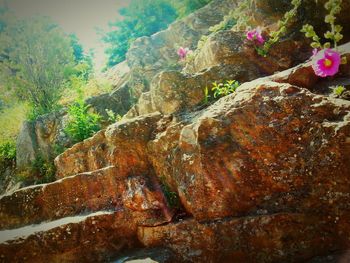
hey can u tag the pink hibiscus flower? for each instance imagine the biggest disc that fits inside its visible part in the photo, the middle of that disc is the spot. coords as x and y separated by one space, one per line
182 52
255 35
326 62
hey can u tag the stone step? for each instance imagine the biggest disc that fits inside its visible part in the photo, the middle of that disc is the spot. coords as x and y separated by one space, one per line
104 189
96 237
282 237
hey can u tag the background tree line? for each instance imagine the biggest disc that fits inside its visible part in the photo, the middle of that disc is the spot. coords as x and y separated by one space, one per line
144 18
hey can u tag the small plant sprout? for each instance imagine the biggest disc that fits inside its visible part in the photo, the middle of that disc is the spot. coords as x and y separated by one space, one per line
206 95
338 90
325 60
223 89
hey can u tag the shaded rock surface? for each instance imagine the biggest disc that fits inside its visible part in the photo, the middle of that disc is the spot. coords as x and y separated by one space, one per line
270 238
40 137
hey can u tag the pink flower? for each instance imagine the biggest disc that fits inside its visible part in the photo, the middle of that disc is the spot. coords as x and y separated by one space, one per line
326 62
255 35
182 52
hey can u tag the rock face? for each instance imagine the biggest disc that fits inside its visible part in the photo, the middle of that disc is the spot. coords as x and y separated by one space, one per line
118 74
75 226
272 238
261 175
7 176
271 158
39 138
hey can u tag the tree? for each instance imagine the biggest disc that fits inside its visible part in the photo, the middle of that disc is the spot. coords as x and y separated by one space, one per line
84 64
36 54
140 18
185 7
78 50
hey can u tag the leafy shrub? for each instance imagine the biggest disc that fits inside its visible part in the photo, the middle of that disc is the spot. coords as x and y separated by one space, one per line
223 89
82 124
8 151
40 171
43 170
140 18
11 120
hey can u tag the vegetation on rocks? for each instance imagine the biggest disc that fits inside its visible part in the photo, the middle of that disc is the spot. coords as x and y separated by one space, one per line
8 151
260 175
144 18
82 124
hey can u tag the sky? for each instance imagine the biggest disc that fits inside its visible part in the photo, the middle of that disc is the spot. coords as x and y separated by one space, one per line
81 17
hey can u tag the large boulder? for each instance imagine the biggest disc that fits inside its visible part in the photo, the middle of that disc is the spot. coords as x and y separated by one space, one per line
260 150
41 138
123 144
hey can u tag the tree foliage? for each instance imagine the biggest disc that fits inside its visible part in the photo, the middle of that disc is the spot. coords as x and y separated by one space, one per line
186 7
78 50
140 18
82 123
144 18
35 54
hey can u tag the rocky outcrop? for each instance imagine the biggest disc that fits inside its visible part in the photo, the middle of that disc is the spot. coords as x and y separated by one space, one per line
148 56
8 181
90 238
41 138
173 91
261 175
67 215
259 239
271 156
111 147
117 75
104 189
228 48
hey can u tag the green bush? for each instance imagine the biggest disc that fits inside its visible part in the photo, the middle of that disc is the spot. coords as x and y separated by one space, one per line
8 151
82 124
42 170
